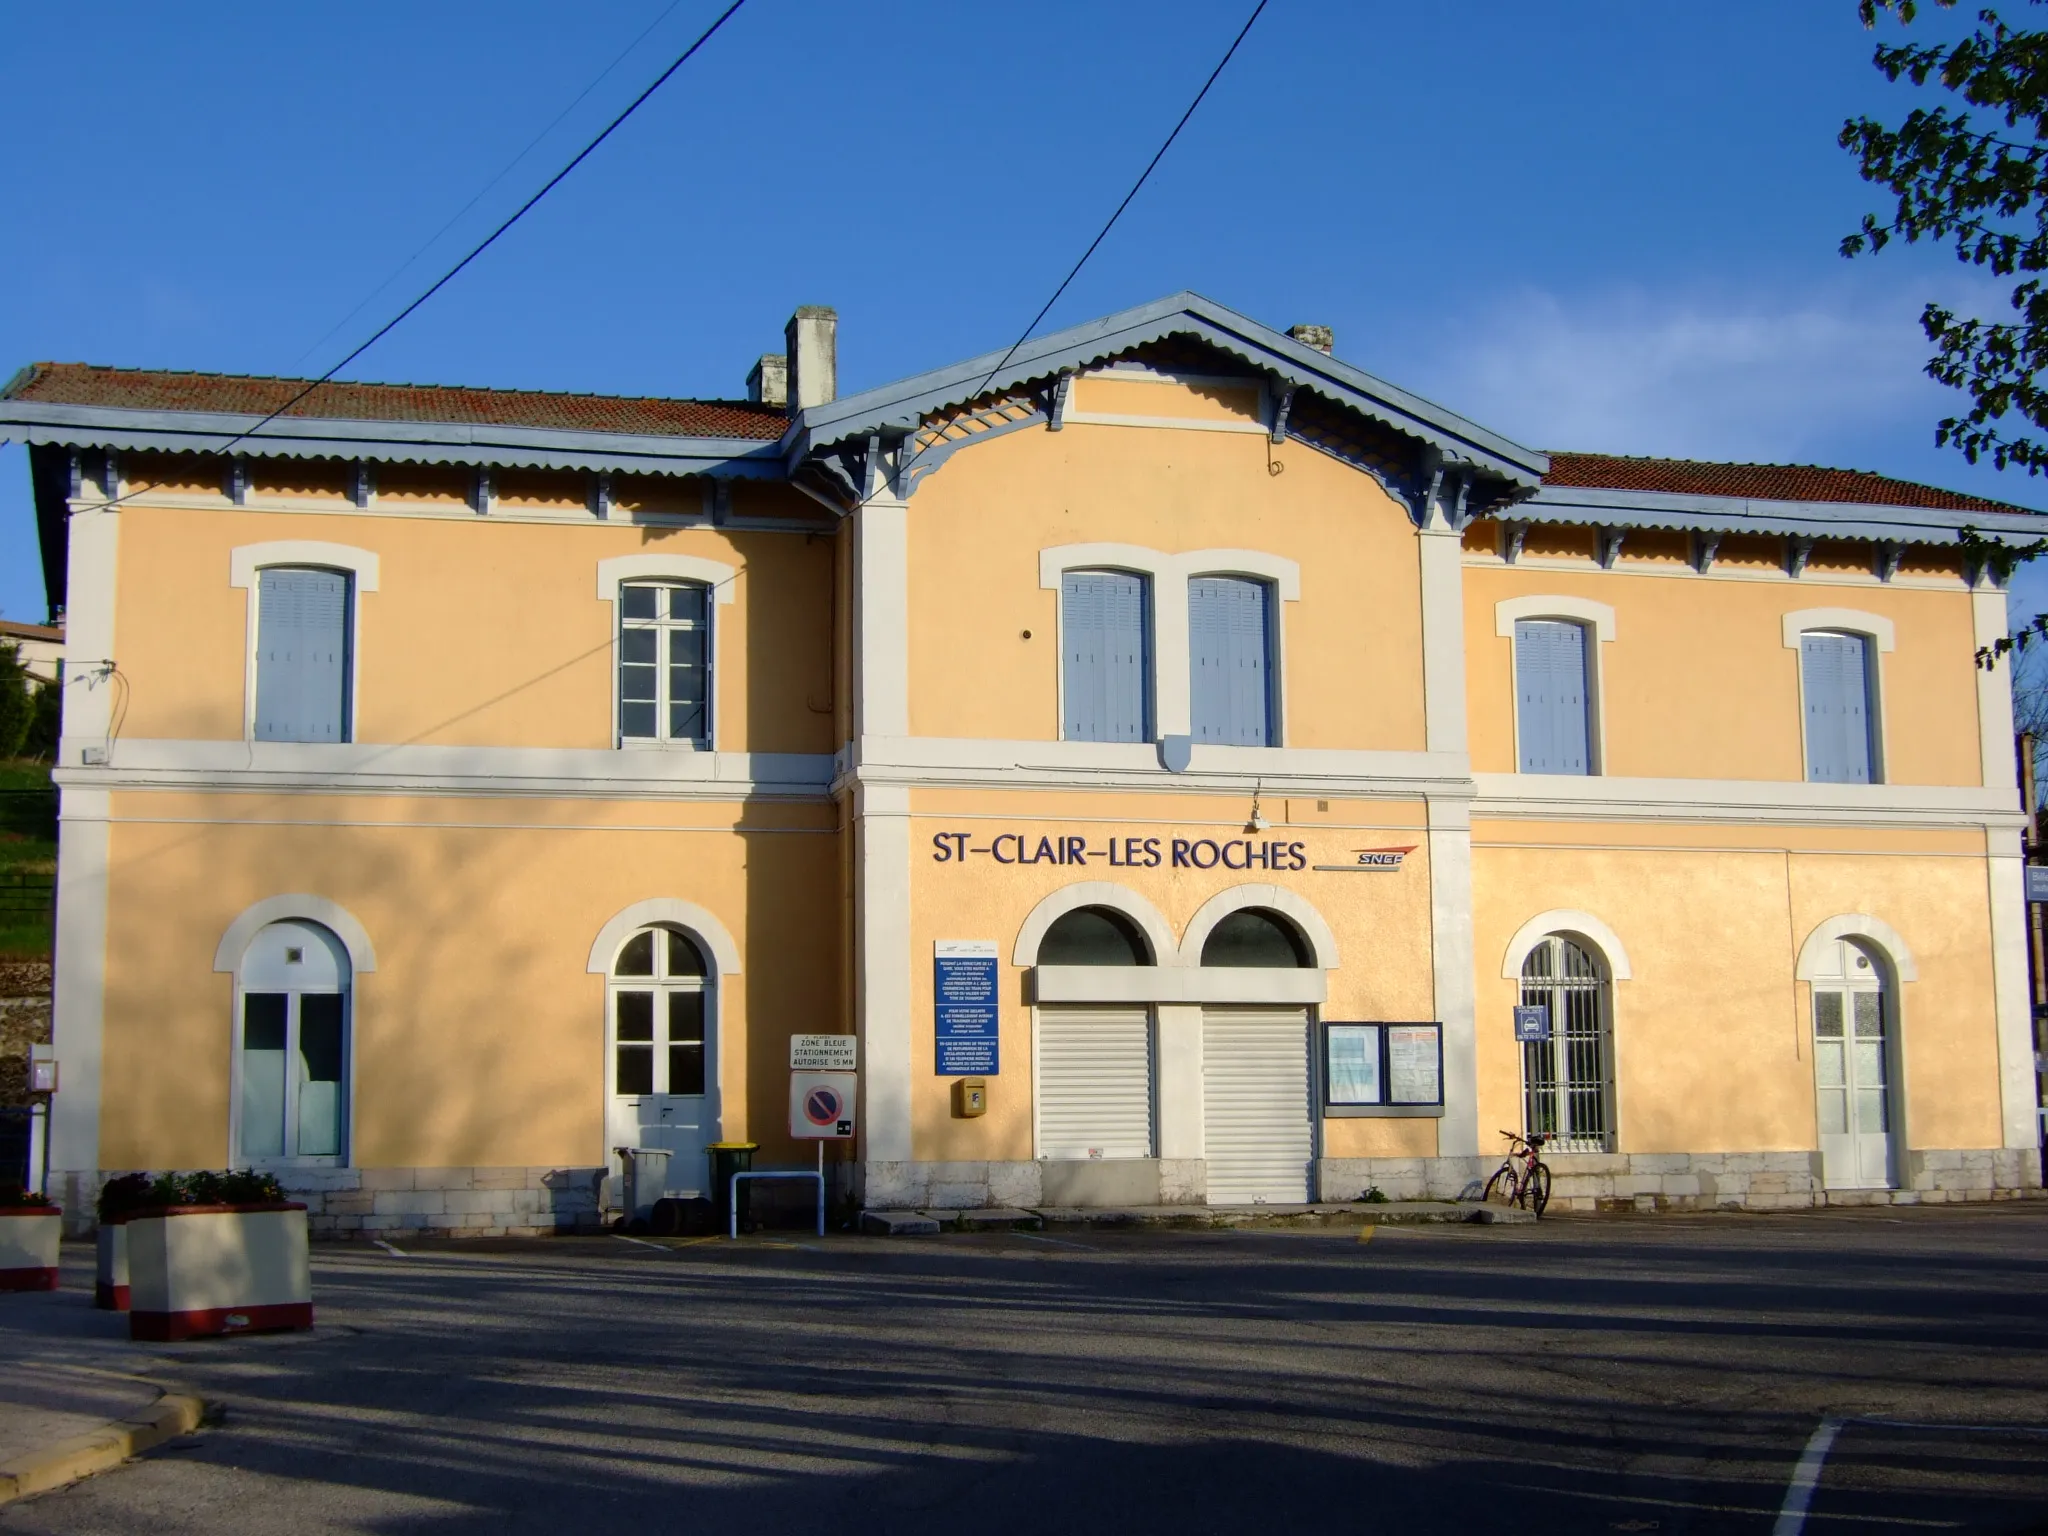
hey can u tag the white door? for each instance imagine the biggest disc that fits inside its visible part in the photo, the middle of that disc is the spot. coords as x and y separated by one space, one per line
1255 1105
1094 1082
664 1084
1852 1071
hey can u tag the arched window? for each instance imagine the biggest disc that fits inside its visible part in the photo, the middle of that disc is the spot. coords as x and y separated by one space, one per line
1568 1076
1253 936
1853 1050
658 1015
292 1047
1094 936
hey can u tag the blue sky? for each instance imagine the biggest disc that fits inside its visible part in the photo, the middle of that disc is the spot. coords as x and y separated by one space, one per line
1605 226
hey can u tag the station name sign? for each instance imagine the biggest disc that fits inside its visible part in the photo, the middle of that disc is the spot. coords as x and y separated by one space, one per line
1143 852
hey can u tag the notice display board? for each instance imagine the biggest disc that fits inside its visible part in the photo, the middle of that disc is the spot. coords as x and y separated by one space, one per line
1532 1022
1385 1068
964 1008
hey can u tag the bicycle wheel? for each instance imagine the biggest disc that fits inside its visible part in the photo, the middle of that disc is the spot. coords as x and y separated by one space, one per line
1503 1188
1539 1188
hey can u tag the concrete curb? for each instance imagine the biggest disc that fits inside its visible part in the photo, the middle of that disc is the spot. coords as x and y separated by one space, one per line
1389 1213
170 1416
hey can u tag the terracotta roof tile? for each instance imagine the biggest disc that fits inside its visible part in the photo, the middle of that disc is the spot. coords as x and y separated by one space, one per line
137 389
1760 482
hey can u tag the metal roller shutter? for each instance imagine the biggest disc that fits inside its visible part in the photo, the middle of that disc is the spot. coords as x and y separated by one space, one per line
1094 1070
1255 1105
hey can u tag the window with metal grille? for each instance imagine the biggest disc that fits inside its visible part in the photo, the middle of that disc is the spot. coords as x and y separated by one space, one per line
665 662
1568 1079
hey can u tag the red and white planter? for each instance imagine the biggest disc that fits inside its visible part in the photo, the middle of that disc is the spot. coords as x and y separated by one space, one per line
28 1247
110 1282
209 1269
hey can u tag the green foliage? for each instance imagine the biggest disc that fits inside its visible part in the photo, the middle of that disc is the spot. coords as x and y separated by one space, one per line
120 1196
17 700
16 1199
1374 1196
228 1187
46 716
1983 190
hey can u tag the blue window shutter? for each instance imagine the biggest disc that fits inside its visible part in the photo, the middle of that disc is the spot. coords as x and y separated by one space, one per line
302 656
1230 652
1105 643
1553 705
1836 673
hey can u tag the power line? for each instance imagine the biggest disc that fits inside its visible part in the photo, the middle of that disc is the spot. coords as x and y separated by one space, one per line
481 246
432 240
1136 187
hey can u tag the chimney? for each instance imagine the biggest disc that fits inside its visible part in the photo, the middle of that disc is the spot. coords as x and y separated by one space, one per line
768 384
1321 337
813 344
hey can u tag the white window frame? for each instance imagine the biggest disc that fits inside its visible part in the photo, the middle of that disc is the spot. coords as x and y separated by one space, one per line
721 579
1597 620
1879 635
246 565
1168 575
345 1157
661 985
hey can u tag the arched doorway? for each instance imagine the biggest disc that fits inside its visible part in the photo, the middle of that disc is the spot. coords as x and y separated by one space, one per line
661 1049
1853 1066
292 1048
1568 1075
1258 1129
1094 1064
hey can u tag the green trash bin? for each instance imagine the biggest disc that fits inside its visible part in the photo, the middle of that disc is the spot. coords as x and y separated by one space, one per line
727 1159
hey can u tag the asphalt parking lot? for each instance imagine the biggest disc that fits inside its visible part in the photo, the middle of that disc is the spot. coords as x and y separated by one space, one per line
1887 1370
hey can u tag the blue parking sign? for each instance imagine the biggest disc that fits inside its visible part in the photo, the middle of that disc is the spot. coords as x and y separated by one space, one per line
1532 1021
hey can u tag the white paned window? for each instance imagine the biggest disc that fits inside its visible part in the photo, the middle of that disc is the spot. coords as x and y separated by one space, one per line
303 663
1106 656
1553 699
665 662
292 1047
1837 677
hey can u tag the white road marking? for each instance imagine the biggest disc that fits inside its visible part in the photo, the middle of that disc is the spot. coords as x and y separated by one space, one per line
399 1253
1806 1476
639 1243
1057 1242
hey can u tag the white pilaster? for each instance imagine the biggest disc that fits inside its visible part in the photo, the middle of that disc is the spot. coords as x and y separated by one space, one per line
882 967
1443 637
1994 692
1180 1081
2017 1096
881 612
78 1017
91 554
1450 910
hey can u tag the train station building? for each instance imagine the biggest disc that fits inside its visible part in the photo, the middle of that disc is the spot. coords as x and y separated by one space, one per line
1194 769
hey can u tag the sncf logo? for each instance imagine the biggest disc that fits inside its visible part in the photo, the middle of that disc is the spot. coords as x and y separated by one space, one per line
1382 858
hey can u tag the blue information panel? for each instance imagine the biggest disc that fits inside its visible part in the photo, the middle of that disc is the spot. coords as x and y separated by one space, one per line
1532 1022
2037 882
964 1002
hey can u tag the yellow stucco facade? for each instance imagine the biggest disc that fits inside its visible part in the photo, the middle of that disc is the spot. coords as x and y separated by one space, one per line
1199 709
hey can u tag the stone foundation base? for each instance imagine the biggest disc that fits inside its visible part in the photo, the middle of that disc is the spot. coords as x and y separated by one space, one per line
1695 1181
415 1202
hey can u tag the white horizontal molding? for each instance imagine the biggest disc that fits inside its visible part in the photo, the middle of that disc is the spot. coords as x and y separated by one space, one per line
1091 764
1283 573
1851 620
1538 797
1176 984
1169 423
715 574
1599 617
245 560
366 767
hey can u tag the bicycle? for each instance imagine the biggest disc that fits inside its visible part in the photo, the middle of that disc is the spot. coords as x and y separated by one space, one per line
1527 1186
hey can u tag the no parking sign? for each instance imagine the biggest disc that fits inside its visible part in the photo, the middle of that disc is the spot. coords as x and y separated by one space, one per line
821 1105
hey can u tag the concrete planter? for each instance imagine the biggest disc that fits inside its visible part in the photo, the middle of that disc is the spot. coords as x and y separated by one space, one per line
210 1269
110 1282
28 1247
